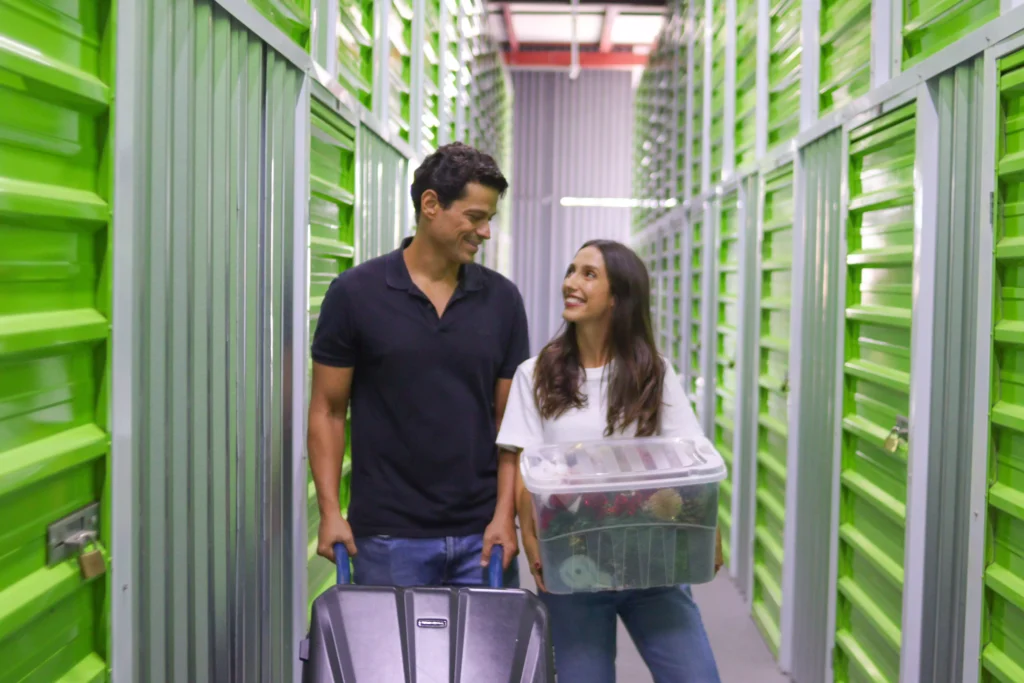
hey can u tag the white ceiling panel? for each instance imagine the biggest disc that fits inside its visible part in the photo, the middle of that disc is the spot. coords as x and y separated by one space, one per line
636 29
557 28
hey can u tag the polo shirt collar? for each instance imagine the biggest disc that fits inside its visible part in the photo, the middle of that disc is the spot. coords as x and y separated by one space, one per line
470 277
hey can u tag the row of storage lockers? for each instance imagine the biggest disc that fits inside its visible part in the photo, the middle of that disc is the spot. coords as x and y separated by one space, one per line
152 334
685 88
848 316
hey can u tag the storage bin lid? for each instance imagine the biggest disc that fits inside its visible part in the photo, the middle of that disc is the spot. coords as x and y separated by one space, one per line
620 464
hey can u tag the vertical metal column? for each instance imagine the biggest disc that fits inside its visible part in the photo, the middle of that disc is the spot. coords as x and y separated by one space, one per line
974 627
299 343
744 436
886 40
729 134
926 312
810 61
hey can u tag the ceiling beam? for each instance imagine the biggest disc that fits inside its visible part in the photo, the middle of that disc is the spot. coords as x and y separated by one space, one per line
510 31
606 29
562 59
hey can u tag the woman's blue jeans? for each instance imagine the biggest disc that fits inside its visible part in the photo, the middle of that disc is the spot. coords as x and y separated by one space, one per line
664 623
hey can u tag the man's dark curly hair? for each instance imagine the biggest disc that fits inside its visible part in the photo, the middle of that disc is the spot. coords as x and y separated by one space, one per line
448 170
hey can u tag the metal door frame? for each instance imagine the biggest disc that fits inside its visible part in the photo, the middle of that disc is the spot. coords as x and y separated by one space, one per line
926 236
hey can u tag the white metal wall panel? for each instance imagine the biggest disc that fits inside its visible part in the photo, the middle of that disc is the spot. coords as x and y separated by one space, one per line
571 140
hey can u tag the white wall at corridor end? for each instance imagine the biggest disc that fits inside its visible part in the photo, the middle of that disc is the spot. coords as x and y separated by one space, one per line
572 138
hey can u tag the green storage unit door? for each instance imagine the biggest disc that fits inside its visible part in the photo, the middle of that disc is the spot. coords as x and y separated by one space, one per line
784 71
930 25
697 152
746 83
355 48
399 70
332 163
56 71
717 94
1003 653
773 401
726 331
682 113
845 67
697 240
876 398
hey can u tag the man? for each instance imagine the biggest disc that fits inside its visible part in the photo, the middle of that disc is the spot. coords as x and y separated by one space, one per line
425 343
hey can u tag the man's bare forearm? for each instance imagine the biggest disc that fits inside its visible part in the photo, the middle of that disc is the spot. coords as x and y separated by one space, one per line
508 464
326 445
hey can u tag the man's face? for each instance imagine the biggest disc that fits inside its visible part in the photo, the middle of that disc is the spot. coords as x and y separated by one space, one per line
461 228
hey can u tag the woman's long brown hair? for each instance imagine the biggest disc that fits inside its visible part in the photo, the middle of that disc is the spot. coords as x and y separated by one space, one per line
637 371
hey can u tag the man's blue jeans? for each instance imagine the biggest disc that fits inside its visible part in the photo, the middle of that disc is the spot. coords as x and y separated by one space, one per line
447 561
664 623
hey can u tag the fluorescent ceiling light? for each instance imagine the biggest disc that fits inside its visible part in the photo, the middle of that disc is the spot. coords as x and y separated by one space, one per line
617 203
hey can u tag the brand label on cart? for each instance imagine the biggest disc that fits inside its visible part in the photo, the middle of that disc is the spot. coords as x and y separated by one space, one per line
432 623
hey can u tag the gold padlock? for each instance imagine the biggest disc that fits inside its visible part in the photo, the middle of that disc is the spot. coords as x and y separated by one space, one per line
92 564
892 442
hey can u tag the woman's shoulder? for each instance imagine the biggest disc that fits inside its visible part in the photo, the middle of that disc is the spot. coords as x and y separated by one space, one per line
526 367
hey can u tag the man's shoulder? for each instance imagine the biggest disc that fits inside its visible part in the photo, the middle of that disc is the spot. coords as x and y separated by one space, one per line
368 274
501 285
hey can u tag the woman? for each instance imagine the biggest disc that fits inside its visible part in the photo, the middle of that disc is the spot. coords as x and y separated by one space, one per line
603 377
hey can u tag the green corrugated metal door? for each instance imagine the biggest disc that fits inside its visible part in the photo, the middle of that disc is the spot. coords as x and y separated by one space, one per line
876 398
332 164
699 64
726 331
400 68
1003 654
682 77
930 25
773 401
355 48
784 72
746 83
697 242
56 66
717 66
845 68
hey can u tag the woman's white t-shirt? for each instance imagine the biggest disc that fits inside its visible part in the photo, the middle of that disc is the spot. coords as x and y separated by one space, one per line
522 426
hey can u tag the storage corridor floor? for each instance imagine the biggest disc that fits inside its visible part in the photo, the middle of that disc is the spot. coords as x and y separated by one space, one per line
741 654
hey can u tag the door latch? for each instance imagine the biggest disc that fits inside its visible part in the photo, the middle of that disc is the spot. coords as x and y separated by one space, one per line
68 535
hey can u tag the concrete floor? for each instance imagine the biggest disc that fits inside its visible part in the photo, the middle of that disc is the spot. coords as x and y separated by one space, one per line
739 650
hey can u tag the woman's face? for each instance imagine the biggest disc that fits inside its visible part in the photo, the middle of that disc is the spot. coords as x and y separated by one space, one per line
586 289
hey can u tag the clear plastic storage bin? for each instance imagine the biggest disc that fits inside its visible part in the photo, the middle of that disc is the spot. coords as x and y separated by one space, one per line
626 513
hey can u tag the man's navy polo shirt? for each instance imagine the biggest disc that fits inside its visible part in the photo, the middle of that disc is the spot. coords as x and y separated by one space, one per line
424 461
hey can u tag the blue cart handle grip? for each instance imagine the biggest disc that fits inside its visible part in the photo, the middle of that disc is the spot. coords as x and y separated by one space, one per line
341 560
495 570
